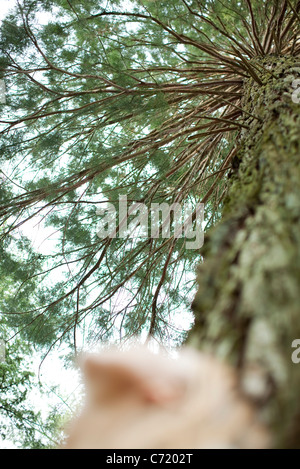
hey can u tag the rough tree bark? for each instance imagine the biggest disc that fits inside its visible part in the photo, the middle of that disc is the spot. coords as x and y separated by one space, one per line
247 308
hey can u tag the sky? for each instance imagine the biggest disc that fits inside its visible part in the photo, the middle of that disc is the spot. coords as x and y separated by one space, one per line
5 6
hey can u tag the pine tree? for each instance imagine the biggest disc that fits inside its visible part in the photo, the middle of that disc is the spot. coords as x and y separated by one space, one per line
176 102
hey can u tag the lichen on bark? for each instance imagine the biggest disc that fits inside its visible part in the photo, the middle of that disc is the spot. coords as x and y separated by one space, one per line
247 307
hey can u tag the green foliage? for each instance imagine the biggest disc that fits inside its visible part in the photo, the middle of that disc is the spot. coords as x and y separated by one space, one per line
21 425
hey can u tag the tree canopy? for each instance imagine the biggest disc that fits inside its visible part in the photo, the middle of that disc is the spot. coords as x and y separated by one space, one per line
141 99
120 98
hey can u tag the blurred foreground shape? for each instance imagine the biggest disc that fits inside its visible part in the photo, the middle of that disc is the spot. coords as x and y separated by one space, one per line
139 399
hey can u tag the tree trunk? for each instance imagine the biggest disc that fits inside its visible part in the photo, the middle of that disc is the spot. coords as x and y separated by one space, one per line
247 308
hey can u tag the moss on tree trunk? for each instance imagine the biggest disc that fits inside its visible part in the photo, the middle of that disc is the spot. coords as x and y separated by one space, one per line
247 308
